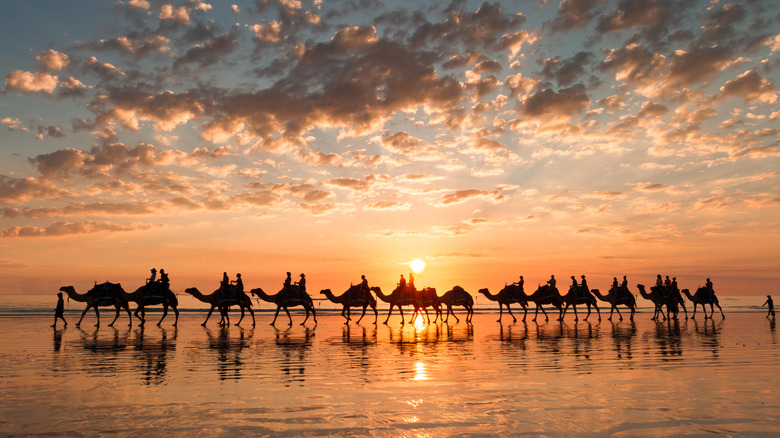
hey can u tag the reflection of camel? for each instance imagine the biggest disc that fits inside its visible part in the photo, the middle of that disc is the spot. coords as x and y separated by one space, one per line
107 297
398 297
572 298
151 295
656 297
214 299
702 296
615 298
298 298
506 296
353 297
457 296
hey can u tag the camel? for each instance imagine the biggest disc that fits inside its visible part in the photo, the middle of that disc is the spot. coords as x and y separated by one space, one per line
509 294
657 298
457 296
618 297
106 297
397 298
572 299
702 296
243 301
353 297
151 295
294 299
546 295
424 298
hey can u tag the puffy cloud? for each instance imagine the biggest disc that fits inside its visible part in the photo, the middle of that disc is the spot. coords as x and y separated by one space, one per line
29 82
547 104
752 87
569 70
53 60
179 15
574 14
14 190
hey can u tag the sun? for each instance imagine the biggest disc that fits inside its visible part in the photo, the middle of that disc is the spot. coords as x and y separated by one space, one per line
417 265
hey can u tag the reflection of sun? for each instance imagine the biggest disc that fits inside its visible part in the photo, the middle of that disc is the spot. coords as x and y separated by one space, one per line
417 265
419 322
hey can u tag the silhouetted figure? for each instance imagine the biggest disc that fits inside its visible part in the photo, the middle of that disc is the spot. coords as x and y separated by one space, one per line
520 282
583 287
411 281
224 285
710 290
668 282
402 282
153 276
768 302
238 287
659 282
615 284
364 290
674 284
624 284
59 312
552 281
286 286
301 285
164 281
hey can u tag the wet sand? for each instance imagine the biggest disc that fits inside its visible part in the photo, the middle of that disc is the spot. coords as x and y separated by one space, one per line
552 379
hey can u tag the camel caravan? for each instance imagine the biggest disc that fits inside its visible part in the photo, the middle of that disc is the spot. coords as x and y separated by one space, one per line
230 293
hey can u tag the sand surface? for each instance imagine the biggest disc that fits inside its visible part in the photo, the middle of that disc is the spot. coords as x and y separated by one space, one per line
551 379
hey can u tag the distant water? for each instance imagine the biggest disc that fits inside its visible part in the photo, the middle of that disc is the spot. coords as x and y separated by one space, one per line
36 304
695 378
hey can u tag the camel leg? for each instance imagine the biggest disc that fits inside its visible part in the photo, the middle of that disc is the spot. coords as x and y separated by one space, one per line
275 315
242 316
82 315
576 317
470 313
721 311
252 312
208 316
306 308
610 313
97 313
389 313
314 314
525 312
115 316
165 313
500 312
376 315
598 311
129 315
510 313
562 312
449 309
176 312
588 315
362 315
287 311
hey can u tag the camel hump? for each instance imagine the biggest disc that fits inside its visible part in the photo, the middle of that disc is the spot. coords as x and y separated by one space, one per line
458 289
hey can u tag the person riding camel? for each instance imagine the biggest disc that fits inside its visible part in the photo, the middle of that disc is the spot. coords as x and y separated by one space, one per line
300 286
710 290
224 286
574 286
615 285
624 284
287 286
164 281
153 276
667 282
402 287
411 282
364 289
674 284
584 287
238 287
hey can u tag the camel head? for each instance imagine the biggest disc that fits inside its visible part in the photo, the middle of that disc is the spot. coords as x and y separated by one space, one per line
484 291
641 287
191 290
325 292
375 289
258 291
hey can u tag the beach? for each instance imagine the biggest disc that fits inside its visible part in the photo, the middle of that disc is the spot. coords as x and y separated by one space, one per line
607 378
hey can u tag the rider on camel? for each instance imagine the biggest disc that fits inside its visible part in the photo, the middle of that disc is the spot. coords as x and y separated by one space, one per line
287 287
584 287
238 287
364 289
301 285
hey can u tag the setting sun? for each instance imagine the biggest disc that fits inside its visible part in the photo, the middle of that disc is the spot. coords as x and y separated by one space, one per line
417 265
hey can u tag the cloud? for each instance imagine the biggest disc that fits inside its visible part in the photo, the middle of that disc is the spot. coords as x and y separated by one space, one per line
58 229
388 205
460 196
751 87
548 104
573 14
13 190
29 82
52 60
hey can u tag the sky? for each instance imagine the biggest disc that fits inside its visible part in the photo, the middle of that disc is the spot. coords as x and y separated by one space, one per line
346 138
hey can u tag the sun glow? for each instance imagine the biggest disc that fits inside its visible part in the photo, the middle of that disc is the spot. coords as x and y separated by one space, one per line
417 265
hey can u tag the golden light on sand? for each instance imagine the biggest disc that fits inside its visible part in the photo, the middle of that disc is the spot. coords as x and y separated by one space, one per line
417 265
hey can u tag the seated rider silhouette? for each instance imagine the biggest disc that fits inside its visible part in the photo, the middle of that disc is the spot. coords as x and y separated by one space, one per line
551 285
674 284
300 286
286 286
624 284
574 286
224 286
708 287
238 287
584 287
152 277
667 282
615 285
364 290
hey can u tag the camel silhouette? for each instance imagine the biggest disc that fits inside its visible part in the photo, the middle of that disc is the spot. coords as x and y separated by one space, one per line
617 297
107 296
353 297
702 296
283 301
457 296
223 303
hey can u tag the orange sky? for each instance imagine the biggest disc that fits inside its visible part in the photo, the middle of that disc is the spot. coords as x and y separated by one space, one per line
492 140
